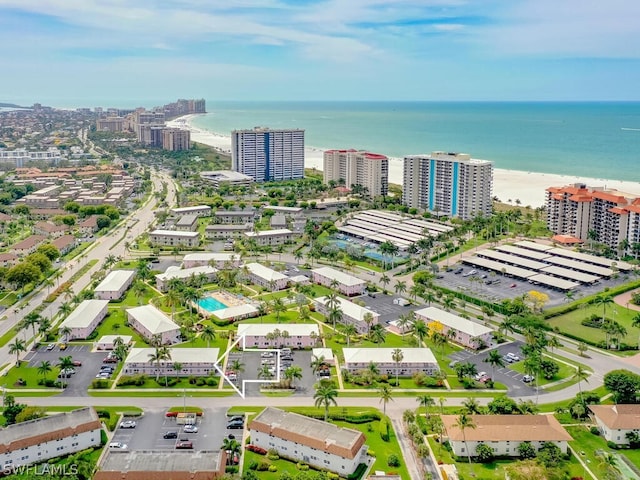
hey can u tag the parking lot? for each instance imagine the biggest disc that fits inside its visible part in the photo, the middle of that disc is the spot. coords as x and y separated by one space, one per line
383 305
151 427
252 364
79 382
510 378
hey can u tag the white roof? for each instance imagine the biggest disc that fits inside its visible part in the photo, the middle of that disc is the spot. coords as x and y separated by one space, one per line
197 208
455 322
238 311
206 257
327 353
282 209
84 314
266 233
341 277
350 309
175 233
126 339
385 355
181 355
177 272
262 329
115 280
187 220
152 319
266 273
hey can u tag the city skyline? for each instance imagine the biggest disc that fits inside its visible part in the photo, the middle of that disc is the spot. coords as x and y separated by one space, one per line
71 53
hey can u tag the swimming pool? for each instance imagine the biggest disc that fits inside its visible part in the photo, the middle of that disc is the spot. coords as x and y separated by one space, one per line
211 304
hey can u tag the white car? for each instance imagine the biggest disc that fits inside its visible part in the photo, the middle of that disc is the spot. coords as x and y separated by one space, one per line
190 429
128 424
118 445
513 357
479 375
266 355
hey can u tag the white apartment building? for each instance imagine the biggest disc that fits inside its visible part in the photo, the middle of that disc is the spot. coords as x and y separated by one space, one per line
21 156
504 433
273 335
199 210
148 321
615 421
358 167
226 177
352 313
194 361
219 260
413 360
265 238
114 285
203 273
49 437
346 284
451 184
266 155
85 318
575 210
302 439
226 232
465 332
267 277
173 238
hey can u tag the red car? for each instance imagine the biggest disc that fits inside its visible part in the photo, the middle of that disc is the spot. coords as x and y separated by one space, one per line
77 363
184 445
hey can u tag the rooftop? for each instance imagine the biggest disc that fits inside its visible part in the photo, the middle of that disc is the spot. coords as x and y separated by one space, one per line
618 417
115 280
175 233
385 355
180 355
177 272
516 428
262 329
84 313
265 272
129 462
350 309
266 233
152 319
341 277
450 320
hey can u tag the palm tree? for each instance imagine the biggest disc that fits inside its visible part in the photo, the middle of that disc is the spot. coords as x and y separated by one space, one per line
609 462
208 334
317 363
463 422
325 395
471 406
603 300
494 359
384 280
335 314
264 372
377 334
400 287
64 332
278 307
368 319
581 374
18 346
349 330
65 309
385 392
426 401
31 320
292 374
44 368
156 358
237 366
263 309
420 330
177 367
66 363
397 356
231 446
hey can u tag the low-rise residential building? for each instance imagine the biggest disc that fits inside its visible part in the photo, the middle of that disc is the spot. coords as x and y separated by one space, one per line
413 360
226 232
467 333
89 225
195 361
319 444
52 436
85 319
114 285
226 177
271 237
504 433
616 421
174 238
148 321
278 221
205 274
8 259
267 277
325 353
50 229
199 210
347 284
274 335
221 260
108 342
187 223
65 243
157 465
351 313
28 245
234 216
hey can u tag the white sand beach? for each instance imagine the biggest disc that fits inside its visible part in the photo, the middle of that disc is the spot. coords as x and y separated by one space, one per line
508 185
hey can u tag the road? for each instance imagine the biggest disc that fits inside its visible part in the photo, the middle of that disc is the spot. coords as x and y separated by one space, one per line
113 243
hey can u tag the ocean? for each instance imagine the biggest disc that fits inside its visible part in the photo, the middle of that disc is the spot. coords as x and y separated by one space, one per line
599 140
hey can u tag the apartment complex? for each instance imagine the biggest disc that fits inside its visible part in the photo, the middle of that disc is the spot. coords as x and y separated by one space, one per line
358 167
175 139
575 210
266 155
21 156
451 184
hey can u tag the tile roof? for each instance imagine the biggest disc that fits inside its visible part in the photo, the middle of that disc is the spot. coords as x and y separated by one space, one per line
618 417
515 428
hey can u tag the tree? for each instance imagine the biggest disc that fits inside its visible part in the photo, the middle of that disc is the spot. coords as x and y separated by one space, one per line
471 406
397 356
18 346
604 301
293 373
503 405
400 287
484 452
426 401
463 422
44 368
582 348
349 330
526 451
384 280
65 363
377 334
368 319
623 384
318 363
32 319
581 374
208 334
325 395
550 455
420 330
495 360
49 250
278 307
609 463
22 274
385 392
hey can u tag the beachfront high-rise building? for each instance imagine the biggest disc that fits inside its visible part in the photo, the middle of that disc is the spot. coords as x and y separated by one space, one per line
357 167
581 213
175 139
451 184
266 155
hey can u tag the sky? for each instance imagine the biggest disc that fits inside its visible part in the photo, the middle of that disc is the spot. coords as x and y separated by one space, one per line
145 52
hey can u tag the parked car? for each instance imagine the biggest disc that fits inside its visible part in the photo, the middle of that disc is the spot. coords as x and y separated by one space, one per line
508 359
170 435
118 445
513 285
77 363
128 424
184 445
528 378
190 429
469 273
235 424
458 270
479 375
110 360
236 418
63 346
266 355
513 357
51 346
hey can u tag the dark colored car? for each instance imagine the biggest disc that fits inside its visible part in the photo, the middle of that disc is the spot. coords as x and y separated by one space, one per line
170 435
235 424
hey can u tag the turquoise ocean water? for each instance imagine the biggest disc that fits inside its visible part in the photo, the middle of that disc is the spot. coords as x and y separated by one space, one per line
600 140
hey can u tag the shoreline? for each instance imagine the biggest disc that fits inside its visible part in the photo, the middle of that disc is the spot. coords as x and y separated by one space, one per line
508 185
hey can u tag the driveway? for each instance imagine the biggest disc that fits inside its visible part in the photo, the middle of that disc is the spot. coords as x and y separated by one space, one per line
383 305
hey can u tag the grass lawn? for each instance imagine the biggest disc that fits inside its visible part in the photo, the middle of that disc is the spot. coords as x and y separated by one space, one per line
183 382
131 300
565 372
337 341
199 342
115 323
30 375
152 394
7 337
270 296
8 299
41 470
570 323
585 444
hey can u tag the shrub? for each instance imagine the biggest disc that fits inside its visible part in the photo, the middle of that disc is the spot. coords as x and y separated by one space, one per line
484 452
135 380
192 380
231 469
211 382
263 466
303 467
612 445
272 468
253 465
393 460
256 449
104 414
594 430
383 428
332 476
371 453
99 384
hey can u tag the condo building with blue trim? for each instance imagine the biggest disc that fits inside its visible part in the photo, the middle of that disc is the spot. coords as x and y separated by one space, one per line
267 155
448 184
